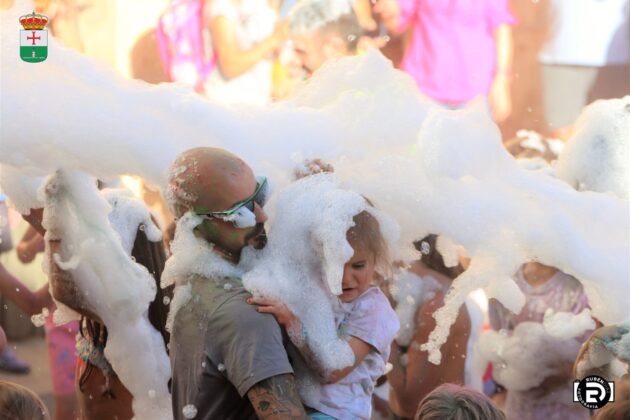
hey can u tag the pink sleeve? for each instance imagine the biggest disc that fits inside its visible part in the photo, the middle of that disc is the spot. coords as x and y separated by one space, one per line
407 12
498 13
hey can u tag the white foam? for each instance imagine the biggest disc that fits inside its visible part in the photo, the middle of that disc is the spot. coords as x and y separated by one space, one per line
302 264
523 360
596 157
117 289
565 325
436 171
410 291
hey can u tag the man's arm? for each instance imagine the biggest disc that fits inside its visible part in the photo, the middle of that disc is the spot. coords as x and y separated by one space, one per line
277 398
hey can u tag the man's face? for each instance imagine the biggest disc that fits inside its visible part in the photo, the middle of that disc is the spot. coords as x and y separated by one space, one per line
310 50
239 186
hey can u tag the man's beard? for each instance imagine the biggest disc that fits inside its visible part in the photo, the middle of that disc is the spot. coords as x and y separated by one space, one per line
258 238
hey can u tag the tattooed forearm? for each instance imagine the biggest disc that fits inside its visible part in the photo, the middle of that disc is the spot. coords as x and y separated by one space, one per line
277 398
298 337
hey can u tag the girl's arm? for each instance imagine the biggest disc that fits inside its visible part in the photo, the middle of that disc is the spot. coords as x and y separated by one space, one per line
28 301
500 94
231 59
412 381
31 244
300 339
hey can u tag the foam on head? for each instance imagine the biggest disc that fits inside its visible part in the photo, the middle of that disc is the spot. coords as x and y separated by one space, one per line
114 287
198 175
312 15
303 262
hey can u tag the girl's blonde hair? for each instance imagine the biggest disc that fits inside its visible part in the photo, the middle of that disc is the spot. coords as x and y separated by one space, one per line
19 403
366 235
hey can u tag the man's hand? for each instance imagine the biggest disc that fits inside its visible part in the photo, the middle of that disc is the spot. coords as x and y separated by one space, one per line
277 398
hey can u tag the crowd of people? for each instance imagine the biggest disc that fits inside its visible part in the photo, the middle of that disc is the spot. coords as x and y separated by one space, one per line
236 353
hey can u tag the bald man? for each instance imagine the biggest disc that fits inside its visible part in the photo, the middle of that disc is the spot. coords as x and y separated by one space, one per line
228 361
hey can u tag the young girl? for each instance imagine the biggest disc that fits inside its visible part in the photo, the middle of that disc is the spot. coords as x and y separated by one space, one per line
544 288
413 377
368 323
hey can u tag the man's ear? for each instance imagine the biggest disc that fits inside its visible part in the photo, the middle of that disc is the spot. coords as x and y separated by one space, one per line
334 47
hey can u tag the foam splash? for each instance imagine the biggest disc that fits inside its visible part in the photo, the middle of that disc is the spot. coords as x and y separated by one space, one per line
596 157
310 15
435 171
302 264
410 291
116 289
524 359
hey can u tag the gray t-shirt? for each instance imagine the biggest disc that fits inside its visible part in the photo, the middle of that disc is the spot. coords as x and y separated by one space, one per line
221 347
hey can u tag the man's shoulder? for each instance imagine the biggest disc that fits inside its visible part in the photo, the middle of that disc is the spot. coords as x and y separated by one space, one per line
225 301
242 315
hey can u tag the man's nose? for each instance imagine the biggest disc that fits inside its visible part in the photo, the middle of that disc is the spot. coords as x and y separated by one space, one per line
259 212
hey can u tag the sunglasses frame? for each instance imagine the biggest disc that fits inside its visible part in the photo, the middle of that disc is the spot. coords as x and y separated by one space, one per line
261 182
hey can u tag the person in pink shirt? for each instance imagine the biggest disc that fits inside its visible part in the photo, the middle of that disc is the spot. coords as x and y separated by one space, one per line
457 49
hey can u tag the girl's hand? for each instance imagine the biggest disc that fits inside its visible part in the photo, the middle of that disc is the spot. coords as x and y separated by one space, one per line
279 310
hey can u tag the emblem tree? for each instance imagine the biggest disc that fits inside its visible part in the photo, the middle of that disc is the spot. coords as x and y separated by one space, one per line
33 38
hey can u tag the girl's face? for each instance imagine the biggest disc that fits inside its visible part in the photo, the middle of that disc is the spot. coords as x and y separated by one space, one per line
357 274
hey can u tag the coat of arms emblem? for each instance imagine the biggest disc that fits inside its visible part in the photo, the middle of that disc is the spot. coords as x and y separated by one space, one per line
33 38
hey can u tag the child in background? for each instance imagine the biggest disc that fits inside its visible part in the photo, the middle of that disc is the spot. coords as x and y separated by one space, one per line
413 376
369 324
19 403
453 402
544 288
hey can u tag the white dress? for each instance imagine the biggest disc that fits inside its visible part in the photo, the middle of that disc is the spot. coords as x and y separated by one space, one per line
254 21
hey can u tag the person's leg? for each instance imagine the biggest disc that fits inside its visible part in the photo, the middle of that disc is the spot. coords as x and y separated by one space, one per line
8 361
63 360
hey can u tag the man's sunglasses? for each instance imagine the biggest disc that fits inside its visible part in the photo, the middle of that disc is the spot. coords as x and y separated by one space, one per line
259 197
